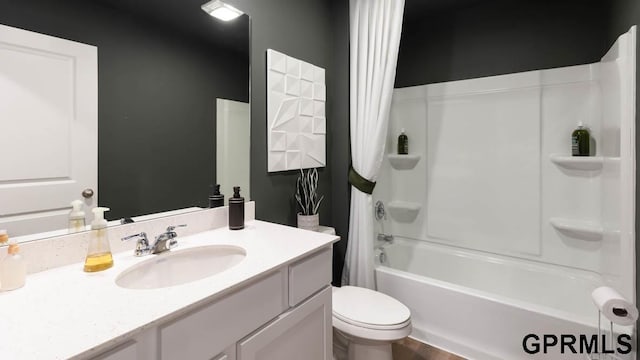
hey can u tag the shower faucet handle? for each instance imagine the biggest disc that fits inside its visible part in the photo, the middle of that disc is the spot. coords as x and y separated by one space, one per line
379 211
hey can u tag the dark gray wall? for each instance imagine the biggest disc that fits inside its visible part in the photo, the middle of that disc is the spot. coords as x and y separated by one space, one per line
340 149
308 30
484 38
625 14
156 102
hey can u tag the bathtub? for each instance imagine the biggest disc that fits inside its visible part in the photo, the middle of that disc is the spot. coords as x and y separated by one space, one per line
481 306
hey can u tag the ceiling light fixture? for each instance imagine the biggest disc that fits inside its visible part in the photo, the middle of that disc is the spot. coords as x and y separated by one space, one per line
220 10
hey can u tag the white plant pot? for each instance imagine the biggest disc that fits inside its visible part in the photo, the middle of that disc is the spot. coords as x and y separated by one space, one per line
309 222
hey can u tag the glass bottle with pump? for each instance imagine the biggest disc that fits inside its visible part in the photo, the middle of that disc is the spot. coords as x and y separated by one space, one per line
13 268
76 217
236 210
99 254
216 199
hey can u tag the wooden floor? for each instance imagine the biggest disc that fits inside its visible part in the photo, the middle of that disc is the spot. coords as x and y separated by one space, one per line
409 349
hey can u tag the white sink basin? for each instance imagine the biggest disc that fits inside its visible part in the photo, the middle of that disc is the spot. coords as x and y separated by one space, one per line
180 267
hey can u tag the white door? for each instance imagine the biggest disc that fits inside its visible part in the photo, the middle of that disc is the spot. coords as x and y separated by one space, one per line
48 129
233 146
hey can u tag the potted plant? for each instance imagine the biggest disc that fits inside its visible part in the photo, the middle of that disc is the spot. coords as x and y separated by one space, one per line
307 198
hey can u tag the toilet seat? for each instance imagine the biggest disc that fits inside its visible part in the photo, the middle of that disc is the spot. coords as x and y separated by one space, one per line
372 326
369 314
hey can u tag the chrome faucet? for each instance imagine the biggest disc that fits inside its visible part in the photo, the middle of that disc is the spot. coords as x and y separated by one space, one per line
163 242
385 238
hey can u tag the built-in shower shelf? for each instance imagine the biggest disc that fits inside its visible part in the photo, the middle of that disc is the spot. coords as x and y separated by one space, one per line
585 230
403 162
404 211
578 162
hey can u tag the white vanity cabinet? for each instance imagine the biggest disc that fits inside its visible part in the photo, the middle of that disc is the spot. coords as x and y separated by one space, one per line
283 314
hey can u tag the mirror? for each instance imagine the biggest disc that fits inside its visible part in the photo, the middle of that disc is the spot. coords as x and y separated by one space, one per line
164 70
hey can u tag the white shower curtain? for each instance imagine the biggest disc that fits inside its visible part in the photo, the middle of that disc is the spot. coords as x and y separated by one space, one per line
375 27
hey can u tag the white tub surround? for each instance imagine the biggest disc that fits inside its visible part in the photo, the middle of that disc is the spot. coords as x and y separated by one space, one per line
505 141
66 313
496 173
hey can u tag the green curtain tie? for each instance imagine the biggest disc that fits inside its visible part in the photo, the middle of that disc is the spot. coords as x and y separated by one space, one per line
360 183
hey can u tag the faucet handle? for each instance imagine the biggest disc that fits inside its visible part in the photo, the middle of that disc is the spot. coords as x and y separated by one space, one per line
173 227
172 241
142 246
141 236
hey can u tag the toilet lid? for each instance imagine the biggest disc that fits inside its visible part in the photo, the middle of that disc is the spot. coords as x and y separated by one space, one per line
367 307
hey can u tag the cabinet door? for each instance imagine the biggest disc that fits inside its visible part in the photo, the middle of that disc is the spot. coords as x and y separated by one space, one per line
303 332
208 331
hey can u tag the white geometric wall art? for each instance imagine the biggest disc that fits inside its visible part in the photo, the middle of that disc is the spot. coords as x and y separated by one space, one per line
296 118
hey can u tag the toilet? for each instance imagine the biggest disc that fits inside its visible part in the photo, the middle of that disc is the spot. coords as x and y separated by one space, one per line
366 322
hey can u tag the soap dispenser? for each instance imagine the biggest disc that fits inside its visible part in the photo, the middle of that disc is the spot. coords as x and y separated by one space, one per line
76 217
236 210
4 237
99 254
216 199
403 143
13 269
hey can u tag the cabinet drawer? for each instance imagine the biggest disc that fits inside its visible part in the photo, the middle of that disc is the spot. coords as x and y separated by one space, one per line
309 275
207 332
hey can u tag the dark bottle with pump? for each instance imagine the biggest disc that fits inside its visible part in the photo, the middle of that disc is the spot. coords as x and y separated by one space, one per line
403 143
580 139
216 199
236 210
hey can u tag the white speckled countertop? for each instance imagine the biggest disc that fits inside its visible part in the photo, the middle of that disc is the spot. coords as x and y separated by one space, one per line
64 312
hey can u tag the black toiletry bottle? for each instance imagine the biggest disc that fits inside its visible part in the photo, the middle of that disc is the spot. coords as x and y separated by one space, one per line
580 139
403 143
236 210
216 199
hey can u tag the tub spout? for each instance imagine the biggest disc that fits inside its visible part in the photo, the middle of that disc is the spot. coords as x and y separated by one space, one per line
385 238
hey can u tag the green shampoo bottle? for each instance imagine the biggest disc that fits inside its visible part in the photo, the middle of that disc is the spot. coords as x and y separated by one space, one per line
580 139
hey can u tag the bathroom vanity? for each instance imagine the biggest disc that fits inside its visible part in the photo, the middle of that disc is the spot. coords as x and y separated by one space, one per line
273 304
